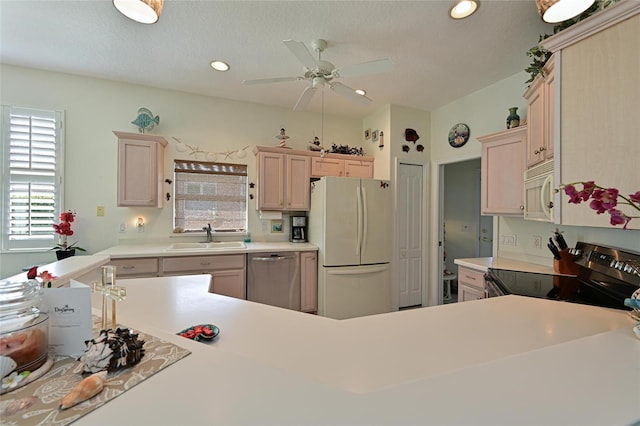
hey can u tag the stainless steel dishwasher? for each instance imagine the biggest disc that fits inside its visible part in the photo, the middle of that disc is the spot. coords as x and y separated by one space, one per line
274 279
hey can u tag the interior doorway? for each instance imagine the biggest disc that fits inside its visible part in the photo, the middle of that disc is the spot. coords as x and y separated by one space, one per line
411 218
464 232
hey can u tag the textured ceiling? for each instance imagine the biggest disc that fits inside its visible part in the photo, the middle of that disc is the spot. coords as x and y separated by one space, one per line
435 59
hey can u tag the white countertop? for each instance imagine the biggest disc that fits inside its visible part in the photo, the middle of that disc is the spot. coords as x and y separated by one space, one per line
66 269
159 249
484 263
499 361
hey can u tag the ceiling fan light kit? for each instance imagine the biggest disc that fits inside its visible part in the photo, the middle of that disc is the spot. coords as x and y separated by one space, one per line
320 73
463 9
554 11
143 11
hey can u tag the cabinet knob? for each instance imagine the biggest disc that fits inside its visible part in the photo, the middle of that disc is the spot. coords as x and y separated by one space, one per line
550 204
521 207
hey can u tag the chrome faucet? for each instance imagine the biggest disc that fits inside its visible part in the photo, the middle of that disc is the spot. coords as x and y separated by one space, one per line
209 232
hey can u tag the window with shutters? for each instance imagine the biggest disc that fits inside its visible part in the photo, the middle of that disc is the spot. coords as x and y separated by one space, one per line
32 156
210 193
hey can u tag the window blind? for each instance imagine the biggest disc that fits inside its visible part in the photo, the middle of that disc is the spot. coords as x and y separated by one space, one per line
207 192
31 157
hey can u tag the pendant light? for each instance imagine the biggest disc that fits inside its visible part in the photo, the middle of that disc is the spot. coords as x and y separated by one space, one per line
554 11
143 11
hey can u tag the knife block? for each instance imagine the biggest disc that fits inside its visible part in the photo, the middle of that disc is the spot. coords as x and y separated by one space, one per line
566 264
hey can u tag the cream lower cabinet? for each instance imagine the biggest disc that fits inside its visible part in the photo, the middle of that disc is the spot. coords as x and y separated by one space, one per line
141 267
284 182
228 272
308 281
502 172
470 284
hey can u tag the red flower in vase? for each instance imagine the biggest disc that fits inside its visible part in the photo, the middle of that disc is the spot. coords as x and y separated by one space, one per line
64 230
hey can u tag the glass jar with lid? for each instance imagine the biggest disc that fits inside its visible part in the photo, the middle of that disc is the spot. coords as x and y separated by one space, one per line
24 330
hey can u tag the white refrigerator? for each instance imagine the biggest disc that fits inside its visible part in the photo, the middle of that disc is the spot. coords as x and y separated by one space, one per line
350 222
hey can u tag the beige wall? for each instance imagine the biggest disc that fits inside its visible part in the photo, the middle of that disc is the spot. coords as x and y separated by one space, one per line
94 108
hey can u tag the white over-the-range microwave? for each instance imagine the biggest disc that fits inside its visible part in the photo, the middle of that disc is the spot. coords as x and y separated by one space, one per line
539 192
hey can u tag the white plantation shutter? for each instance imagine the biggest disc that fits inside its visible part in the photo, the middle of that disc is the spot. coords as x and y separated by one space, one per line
207 192
31 169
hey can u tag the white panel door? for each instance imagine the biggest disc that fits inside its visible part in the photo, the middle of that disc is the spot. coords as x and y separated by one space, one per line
376 235
341 221
409 258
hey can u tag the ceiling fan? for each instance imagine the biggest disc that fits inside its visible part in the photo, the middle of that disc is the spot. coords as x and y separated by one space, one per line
320 72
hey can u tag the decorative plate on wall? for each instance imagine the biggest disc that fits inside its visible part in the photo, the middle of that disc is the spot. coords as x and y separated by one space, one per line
458 135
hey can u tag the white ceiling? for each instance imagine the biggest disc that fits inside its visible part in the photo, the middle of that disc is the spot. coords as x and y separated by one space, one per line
436 59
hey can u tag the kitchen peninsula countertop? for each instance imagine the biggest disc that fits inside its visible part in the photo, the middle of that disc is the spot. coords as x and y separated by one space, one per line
500 361
72 267
484 263
160 249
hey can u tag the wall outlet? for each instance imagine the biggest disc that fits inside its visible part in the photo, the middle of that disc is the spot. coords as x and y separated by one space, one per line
537 241
123 227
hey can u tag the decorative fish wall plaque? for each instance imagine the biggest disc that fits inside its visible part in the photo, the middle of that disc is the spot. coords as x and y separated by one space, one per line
145 120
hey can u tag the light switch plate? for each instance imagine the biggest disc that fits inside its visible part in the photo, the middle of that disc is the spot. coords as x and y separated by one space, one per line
100 211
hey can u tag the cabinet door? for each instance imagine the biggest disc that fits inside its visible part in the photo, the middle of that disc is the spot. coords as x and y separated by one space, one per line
309 282
536 117
229 283
502 174
549 108
298 182
466 293
140 167
358 168
271 181
327 167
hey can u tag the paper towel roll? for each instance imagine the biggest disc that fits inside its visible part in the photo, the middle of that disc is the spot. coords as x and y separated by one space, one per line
269 215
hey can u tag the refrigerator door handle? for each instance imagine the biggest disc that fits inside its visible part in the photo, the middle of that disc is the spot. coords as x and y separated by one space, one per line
359 225
365 214
358 271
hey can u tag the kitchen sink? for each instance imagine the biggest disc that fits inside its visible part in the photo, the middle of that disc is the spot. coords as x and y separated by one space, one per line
222 245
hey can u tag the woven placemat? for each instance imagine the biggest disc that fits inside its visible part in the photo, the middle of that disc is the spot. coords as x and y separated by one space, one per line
37 403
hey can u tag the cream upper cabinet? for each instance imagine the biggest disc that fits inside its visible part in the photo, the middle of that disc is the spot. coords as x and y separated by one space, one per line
140 169
540 116
283 181
358 168
321 166
330 166
502 172
600 94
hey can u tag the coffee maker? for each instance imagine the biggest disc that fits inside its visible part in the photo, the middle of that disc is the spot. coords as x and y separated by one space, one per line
298 229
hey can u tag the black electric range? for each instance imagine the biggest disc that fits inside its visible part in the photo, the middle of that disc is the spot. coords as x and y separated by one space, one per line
605 278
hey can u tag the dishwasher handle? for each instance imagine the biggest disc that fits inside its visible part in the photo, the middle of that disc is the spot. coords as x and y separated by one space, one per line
272 258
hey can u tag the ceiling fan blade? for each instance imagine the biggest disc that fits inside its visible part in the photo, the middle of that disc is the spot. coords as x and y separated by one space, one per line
271 80
348 92
304 98
373 67
302 53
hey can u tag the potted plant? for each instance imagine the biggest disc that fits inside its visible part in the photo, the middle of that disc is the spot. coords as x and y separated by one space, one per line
64 250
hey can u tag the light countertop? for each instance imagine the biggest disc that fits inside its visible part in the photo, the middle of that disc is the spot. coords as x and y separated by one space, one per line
160 249
70 268
504 360
484 263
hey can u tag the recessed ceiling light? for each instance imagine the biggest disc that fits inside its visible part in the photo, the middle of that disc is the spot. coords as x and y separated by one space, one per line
219 65
360 92
463 8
